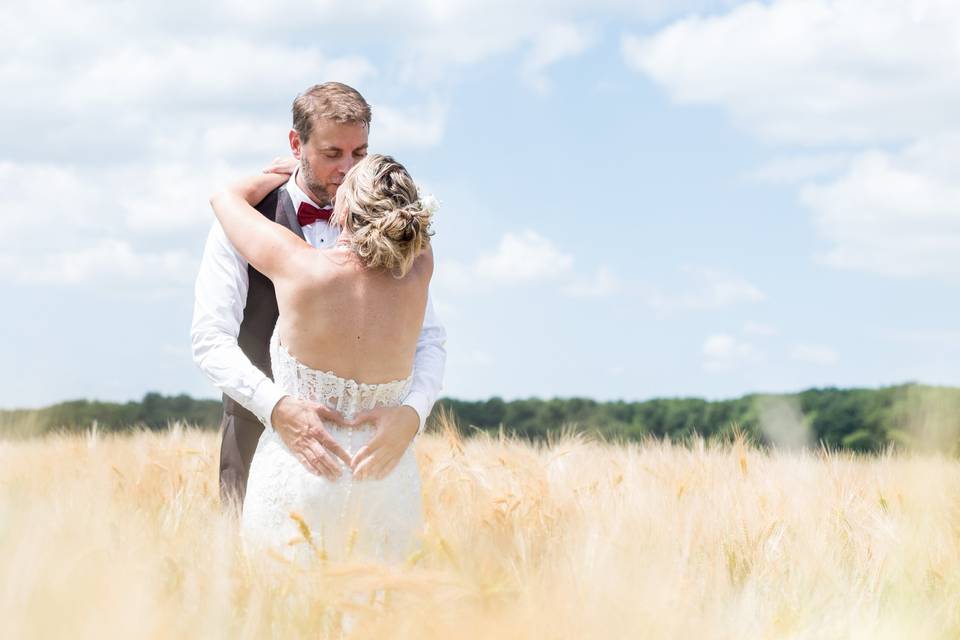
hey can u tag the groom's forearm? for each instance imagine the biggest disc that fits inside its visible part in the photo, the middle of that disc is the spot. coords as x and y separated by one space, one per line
427 381
229 369
428 367
221 292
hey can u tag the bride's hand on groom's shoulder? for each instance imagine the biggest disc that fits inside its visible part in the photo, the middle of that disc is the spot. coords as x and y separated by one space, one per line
300 424
396 427
282 164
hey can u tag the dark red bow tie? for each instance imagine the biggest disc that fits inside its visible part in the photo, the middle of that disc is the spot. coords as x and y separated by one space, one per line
308 214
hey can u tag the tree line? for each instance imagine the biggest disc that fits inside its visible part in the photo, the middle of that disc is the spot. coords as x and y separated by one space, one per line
866 420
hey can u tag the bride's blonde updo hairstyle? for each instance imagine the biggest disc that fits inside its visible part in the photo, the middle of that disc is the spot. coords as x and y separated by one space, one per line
378 203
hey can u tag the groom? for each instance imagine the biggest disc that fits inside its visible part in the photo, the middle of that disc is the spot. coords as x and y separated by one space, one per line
236 310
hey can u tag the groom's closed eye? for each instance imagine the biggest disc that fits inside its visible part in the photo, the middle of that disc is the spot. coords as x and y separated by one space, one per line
334 153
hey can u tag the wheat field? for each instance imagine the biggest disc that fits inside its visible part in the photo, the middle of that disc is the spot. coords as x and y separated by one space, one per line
105 536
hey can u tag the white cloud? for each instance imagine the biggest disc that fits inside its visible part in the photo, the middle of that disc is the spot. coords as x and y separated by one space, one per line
109 261
468 32
602 283
723 352
32 197
122 120
62 229
552 44
424 40
815 354
148 77
715 290
814 72
94 202
258 139
828 73
408 128
170 197
894 214
798 168
524 258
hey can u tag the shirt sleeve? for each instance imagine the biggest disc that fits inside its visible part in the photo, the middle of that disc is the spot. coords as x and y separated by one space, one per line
220 297
428 366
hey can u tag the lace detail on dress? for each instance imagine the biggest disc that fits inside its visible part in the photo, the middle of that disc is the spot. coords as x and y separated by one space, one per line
345 518
347 396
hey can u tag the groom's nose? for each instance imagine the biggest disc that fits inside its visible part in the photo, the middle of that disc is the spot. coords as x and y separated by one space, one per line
347 163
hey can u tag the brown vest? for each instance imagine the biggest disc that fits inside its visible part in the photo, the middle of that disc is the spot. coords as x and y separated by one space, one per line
260 313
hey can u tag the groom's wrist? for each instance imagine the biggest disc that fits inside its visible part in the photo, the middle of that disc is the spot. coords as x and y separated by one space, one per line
419 403
265 400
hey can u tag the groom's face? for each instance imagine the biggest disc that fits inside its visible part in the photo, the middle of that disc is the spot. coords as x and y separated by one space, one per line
327 155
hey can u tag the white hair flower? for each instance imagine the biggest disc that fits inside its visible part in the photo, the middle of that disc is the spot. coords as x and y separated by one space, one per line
429 203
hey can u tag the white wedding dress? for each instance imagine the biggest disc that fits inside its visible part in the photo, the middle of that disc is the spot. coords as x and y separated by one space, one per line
304 516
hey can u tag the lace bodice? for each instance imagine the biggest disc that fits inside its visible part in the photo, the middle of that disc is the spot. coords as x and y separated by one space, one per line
347 396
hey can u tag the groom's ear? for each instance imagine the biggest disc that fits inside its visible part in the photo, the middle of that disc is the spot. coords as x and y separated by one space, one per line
295 143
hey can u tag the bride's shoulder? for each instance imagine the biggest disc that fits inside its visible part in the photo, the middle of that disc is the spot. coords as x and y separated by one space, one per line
315 265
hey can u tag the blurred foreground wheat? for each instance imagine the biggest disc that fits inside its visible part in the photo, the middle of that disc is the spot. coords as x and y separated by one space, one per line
122 536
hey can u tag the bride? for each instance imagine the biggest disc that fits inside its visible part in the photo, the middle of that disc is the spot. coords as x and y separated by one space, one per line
346 337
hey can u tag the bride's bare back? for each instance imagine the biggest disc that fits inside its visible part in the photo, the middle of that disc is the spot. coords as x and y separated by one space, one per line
358 322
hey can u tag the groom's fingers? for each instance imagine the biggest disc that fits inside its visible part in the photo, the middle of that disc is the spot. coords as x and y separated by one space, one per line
281 165
332 470
327 467
329 415
320 432
273 163
309 460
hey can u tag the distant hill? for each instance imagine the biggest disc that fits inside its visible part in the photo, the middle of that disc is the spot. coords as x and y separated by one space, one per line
913 416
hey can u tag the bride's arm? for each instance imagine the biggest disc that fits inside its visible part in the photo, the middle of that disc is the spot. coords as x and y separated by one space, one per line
266 245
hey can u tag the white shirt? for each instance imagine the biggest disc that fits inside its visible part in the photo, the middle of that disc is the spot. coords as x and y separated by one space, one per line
221 295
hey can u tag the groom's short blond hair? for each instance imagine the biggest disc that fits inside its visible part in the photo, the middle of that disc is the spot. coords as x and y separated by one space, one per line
329 101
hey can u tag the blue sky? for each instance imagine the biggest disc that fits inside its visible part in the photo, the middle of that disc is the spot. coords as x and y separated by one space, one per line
638 199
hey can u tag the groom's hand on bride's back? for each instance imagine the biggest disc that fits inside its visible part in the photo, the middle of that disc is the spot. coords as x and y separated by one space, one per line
300 424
